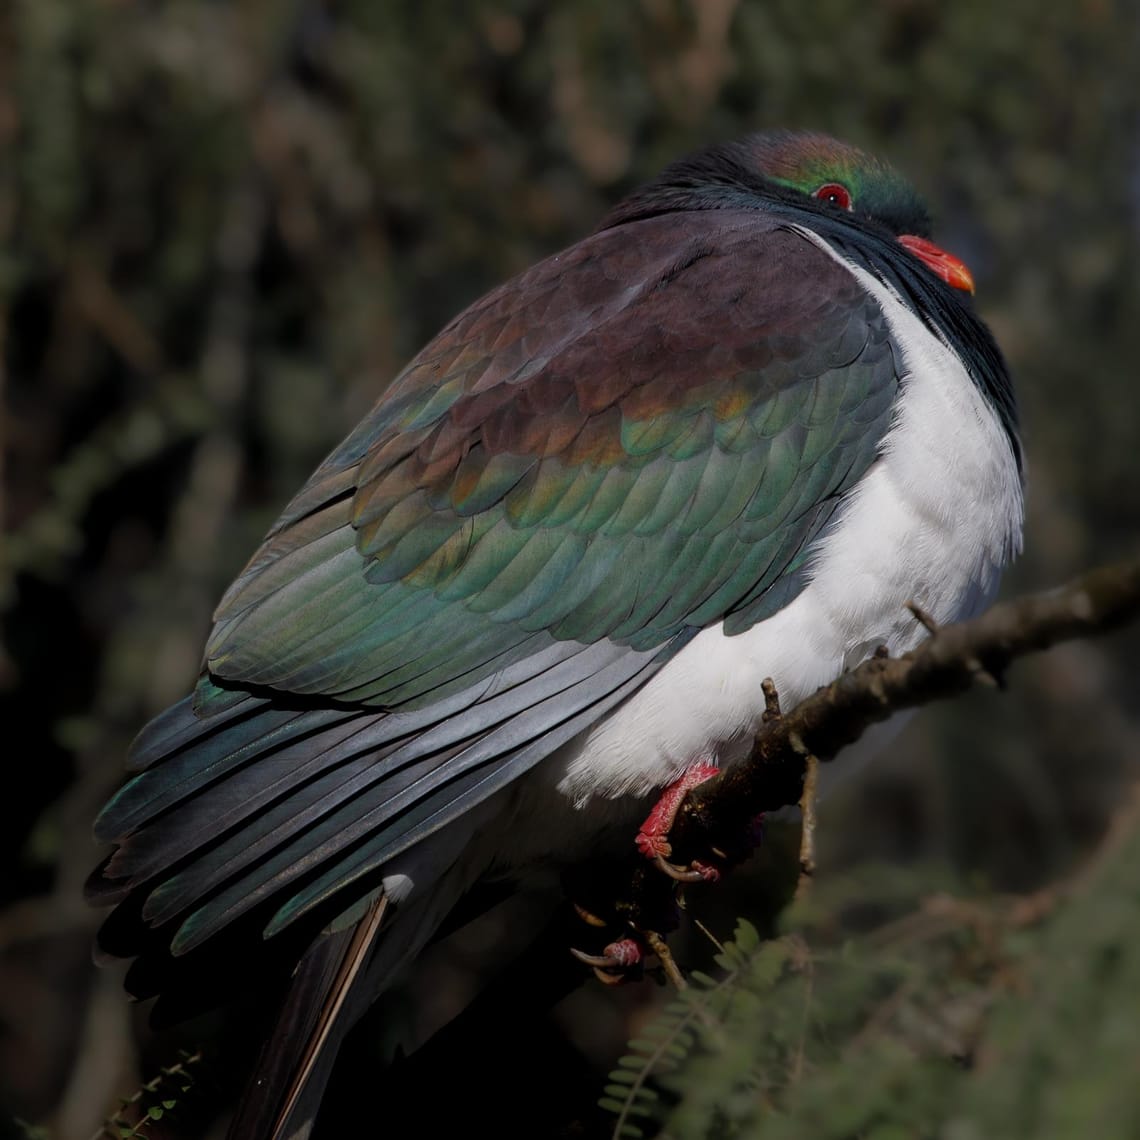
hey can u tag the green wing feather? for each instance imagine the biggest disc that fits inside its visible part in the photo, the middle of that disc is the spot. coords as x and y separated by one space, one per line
608 446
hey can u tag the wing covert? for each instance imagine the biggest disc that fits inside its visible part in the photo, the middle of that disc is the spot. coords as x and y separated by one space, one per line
629 440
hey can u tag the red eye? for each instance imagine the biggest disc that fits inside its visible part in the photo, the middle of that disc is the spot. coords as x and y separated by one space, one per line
834 195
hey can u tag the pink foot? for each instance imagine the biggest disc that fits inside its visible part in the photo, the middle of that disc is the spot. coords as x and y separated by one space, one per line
653 838
625 952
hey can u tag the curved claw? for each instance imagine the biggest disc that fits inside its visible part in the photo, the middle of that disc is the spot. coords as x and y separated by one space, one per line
615 962
597 961
606 969
681 874
587 917
609 977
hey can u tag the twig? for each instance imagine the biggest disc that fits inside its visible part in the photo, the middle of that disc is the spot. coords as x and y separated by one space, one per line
668 963
771 701
180 1069
709 935
807 826
951 661
923 618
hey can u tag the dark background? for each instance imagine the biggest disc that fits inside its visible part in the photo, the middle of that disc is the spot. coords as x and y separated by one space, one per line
225 226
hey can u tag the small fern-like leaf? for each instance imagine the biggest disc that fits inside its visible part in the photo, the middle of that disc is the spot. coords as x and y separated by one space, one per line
623 1076
663 1046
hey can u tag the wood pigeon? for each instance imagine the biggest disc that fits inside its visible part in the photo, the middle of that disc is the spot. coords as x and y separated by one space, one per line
727 436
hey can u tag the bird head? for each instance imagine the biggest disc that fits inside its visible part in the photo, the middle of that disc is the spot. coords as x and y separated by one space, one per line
814 172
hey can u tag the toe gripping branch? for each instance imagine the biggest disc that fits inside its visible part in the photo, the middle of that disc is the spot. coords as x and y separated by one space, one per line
653 838
685 839
631 905
642 900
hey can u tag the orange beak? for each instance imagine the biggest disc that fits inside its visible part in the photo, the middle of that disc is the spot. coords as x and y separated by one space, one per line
949 268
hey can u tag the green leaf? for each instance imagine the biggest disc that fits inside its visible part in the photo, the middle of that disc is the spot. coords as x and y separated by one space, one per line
746 936
624 1076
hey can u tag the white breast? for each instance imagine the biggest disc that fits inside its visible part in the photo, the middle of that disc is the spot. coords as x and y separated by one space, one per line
933 522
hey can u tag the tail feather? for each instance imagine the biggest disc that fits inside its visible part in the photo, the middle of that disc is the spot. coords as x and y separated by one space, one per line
288 1081
340 976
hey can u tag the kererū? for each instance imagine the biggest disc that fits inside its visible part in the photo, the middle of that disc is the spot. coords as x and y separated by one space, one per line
727 436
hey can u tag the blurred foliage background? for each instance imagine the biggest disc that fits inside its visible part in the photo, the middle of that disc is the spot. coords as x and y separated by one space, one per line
225 226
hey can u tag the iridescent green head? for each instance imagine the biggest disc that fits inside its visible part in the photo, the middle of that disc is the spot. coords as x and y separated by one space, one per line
843 178
833 177
839 175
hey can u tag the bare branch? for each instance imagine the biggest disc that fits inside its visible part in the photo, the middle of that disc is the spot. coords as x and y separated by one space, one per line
954 659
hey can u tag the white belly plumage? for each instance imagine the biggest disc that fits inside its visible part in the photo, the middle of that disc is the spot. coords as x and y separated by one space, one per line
933 522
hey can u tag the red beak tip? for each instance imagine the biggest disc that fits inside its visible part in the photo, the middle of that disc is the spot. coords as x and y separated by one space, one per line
938 261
